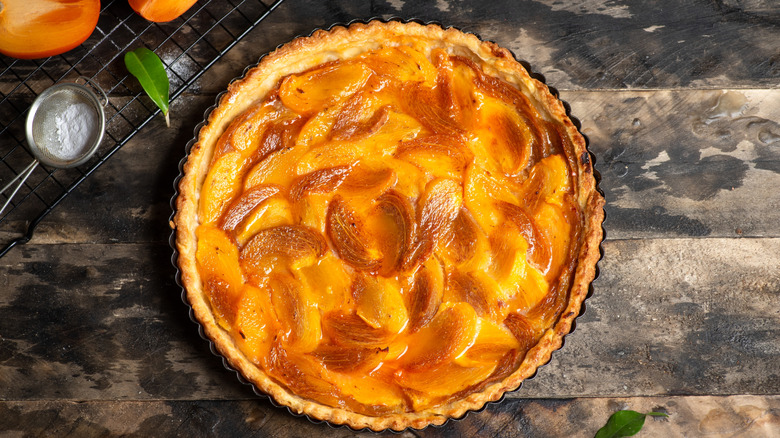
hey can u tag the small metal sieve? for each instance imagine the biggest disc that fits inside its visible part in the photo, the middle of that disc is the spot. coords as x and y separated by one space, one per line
62 107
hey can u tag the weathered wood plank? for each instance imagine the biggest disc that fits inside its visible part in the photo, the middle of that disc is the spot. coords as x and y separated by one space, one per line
604 44
587 44
685 163
97 321
668 316
712 416
674 316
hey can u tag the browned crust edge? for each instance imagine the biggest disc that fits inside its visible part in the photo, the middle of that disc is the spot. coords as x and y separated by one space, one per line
308 51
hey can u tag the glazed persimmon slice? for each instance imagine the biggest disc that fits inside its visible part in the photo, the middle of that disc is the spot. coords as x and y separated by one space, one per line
347 235
298 244
379 302
438 207
350 330
217 257
255 323
392 221
222 185
425 295
311 91
449 334
243 205
296 312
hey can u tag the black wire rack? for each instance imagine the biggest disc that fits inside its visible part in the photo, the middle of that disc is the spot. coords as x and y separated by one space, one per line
188 46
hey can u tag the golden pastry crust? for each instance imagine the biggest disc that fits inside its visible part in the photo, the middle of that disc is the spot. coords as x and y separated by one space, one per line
342 43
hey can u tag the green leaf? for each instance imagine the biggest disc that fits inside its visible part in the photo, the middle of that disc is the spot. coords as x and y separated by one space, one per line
625 423
147 67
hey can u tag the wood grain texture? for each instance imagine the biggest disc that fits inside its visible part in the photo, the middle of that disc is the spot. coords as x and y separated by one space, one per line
674 316
101 321
582 44
711 416
604 44
685 163
597 44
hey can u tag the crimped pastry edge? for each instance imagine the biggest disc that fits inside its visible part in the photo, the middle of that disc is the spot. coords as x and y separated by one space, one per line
306 52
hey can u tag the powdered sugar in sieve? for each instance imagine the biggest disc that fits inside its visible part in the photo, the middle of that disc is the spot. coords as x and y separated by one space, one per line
64 128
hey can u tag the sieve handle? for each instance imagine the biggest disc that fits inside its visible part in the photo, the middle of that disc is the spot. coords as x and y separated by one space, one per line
23 175
95 86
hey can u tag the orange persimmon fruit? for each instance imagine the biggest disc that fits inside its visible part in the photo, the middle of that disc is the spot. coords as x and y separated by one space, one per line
161 11
32 29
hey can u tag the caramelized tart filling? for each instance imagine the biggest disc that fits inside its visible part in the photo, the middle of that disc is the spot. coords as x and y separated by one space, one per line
390 232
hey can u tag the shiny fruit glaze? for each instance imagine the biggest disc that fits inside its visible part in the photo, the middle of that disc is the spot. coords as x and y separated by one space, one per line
391 232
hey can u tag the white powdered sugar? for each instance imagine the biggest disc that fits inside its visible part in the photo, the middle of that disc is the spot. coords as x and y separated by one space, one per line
74 129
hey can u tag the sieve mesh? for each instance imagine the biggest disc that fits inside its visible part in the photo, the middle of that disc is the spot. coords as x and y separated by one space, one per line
49 143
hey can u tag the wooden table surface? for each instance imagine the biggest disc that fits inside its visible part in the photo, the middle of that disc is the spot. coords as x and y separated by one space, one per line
681 104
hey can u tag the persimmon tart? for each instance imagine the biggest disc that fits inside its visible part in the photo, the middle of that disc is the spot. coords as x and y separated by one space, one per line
387 225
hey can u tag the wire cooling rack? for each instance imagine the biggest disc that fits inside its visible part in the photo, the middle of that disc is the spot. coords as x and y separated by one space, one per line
188 46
